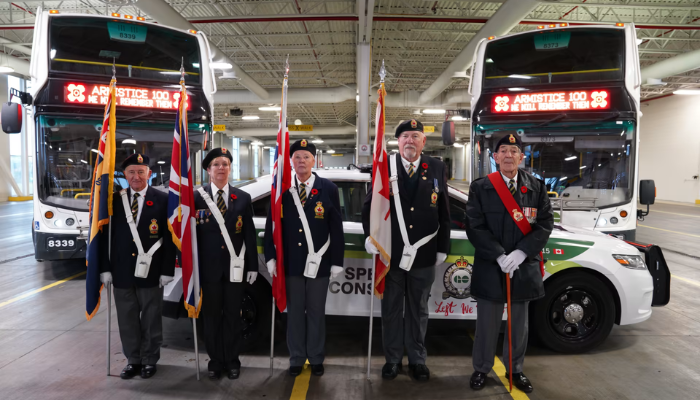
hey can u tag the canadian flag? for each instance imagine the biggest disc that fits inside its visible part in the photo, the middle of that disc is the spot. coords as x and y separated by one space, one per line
558 251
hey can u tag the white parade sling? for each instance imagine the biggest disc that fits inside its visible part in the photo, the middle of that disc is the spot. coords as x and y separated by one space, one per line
237 264
408 255
313 259
143 260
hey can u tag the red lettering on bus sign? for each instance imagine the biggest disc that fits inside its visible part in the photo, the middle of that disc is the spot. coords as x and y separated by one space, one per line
552 101
126 96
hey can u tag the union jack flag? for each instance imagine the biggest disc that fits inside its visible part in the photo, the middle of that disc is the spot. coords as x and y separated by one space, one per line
181 220
281 182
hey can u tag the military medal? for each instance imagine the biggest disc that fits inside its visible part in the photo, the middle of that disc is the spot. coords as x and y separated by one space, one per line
435 184
433 199
530 214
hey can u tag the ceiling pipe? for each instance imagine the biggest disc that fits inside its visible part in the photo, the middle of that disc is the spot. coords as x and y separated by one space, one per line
20 66
507 16
318 130
164 14
672 66
15 46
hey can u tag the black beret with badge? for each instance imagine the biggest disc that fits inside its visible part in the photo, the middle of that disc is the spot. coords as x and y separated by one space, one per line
136 159
509 139
214 153
408 126
302 144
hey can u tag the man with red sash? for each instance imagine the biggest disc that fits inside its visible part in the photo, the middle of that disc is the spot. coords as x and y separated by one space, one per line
509 220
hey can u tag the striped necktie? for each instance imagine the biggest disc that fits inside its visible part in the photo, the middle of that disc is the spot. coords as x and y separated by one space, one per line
135 206
302 194
411 171
511 187
220 203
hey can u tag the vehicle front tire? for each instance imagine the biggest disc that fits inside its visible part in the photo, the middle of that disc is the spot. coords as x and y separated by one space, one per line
576 315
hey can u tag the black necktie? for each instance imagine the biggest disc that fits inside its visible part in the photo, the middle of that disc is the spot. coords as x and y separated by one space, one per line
302 194
221 203
135 206
511 187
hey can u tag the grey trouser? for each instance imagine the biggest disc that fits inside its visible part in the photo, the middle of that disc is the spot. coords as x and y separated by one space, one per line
223 328
489 317
306 319
139 312
406 328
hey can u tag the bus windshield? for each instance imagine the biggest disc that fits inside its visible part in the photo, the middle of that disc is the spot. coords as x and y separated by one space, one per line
67 151
555 57
89 45
586 170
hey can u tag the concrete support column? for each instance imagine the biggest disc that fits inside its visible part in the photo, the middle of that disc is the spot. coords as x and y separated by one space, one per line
364 64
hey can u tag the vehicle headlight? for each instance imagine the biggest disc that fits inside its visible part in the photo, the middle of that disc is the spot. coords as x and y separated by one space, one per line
631 262
602 221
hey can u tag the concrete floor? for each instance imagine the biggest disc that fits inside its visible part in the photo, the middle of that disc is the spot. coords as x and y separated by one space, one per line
49 351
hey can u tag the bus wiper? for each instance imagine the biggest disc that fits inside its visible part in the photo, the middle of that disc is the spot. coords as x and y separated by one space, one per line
555 119
136 116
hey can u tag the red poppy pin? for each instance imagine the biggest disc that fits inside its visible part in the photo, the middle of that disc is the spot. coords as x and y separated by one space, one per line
149 203
234 197
424 165
314 191
523 189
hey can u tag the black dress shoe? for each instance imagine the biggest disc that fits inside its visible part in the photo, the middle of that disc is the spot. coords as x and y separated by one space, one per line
214 375
478 380
131 371
234 373
148 371
521 382
295 371
420 372
317 369
390 370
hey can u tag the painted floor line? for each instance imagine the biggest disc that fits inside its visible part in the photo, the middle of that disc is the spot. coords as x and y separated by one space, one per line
667 230
684 215
301 383
692 282
35 291
500 371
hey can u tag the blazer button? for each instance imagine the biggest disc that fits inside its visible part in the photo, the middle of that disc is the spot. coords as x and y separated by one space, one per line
410 226
411 208
299 244
301 230
222 247
133 254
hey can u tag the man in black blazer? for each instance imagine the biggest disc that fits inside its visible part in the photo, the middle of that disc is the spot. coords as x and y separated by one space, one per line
139 300
422 184
221 296
306 296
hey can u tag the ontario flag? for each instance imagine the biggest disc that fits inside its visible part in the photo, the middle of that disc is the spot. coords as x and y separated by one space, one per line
181 220
281 182
380 211
100 204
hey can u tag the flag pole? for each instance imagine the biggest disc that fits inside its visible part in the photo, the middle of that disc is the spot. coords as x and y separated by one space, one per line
196 345
109 325
510 331
272 337
371 314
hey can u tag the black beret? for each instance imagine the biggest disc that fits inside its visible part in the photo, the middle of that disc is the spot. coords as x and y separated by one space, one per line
214 153
136 159
410 125
509 140
302 144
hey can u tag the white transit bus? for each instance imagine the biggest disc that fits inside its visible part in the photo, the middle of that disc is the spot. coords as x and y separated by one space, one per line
572 95
71 67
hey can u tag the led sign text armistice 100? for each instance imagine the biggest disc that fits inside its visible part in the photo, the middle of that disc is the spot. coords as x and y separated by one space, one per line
552 101
126 96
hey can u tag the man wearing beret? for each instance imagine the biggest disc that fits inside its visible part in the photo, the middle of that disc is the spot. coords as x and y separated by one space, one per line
314 244
503 251
420 240
139 261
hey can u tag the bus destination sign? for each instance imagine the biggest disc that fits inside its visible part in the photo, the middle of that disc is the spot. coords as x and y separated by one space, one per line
552 101
84 93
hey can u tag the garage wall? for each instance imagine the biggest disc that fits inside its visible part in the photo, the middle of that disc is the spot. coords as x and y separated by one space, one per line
669 151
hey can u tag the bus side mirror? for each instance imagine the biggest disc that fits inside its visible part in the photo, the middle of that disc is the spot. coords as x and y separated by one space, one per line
11 117
448 133
647 192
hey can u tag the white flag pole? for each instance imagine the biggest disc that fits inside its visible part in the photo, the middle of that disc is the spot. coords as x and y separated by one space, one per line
371 314
108 286
272 337
196 345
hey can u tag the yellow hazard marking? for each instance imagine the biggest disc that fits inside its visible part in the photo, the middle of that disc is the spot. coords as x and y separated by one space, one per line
684 215
666 230
301 383
692 282
500 371
35 291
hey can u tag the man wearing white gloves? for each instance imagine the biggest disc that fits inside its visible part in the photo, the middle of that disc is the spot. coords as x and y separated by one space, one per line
500 208
139 227
314 247
420 240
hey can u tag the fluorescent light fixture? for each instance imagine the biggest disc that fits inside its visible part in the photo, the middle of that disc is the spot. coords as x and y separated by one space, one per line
250 117
687 91
582 167
266 147
70 160
95 151
297 122
393 142
330 151
458 145
83 161
516 76
256 143
570 158
270 108
394 151
433 111
221 65
128 141
316 141
4 69
458 118
171 72
417 112
516 89
53 53
161 162
563 177
357 97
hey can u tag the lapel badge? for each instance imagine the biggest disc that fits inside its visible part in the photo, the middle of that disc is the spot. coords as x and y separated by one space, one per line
239 224
319 210
153 227
140 159
517 215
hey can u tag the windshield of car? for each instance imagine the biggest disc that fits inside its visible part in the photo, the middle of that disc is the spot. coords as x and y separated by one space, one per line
67 151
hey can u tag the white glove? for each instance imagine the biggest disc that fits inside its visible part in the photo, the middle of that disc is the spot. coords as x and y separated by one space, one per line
164 280
272 267
441 257
335 271
370 247
252 276
512 261
106 278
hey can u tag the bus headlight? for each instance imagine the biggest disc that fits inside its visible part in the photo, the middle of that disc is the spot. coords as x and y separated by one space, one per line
613 220
602 221
631 262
